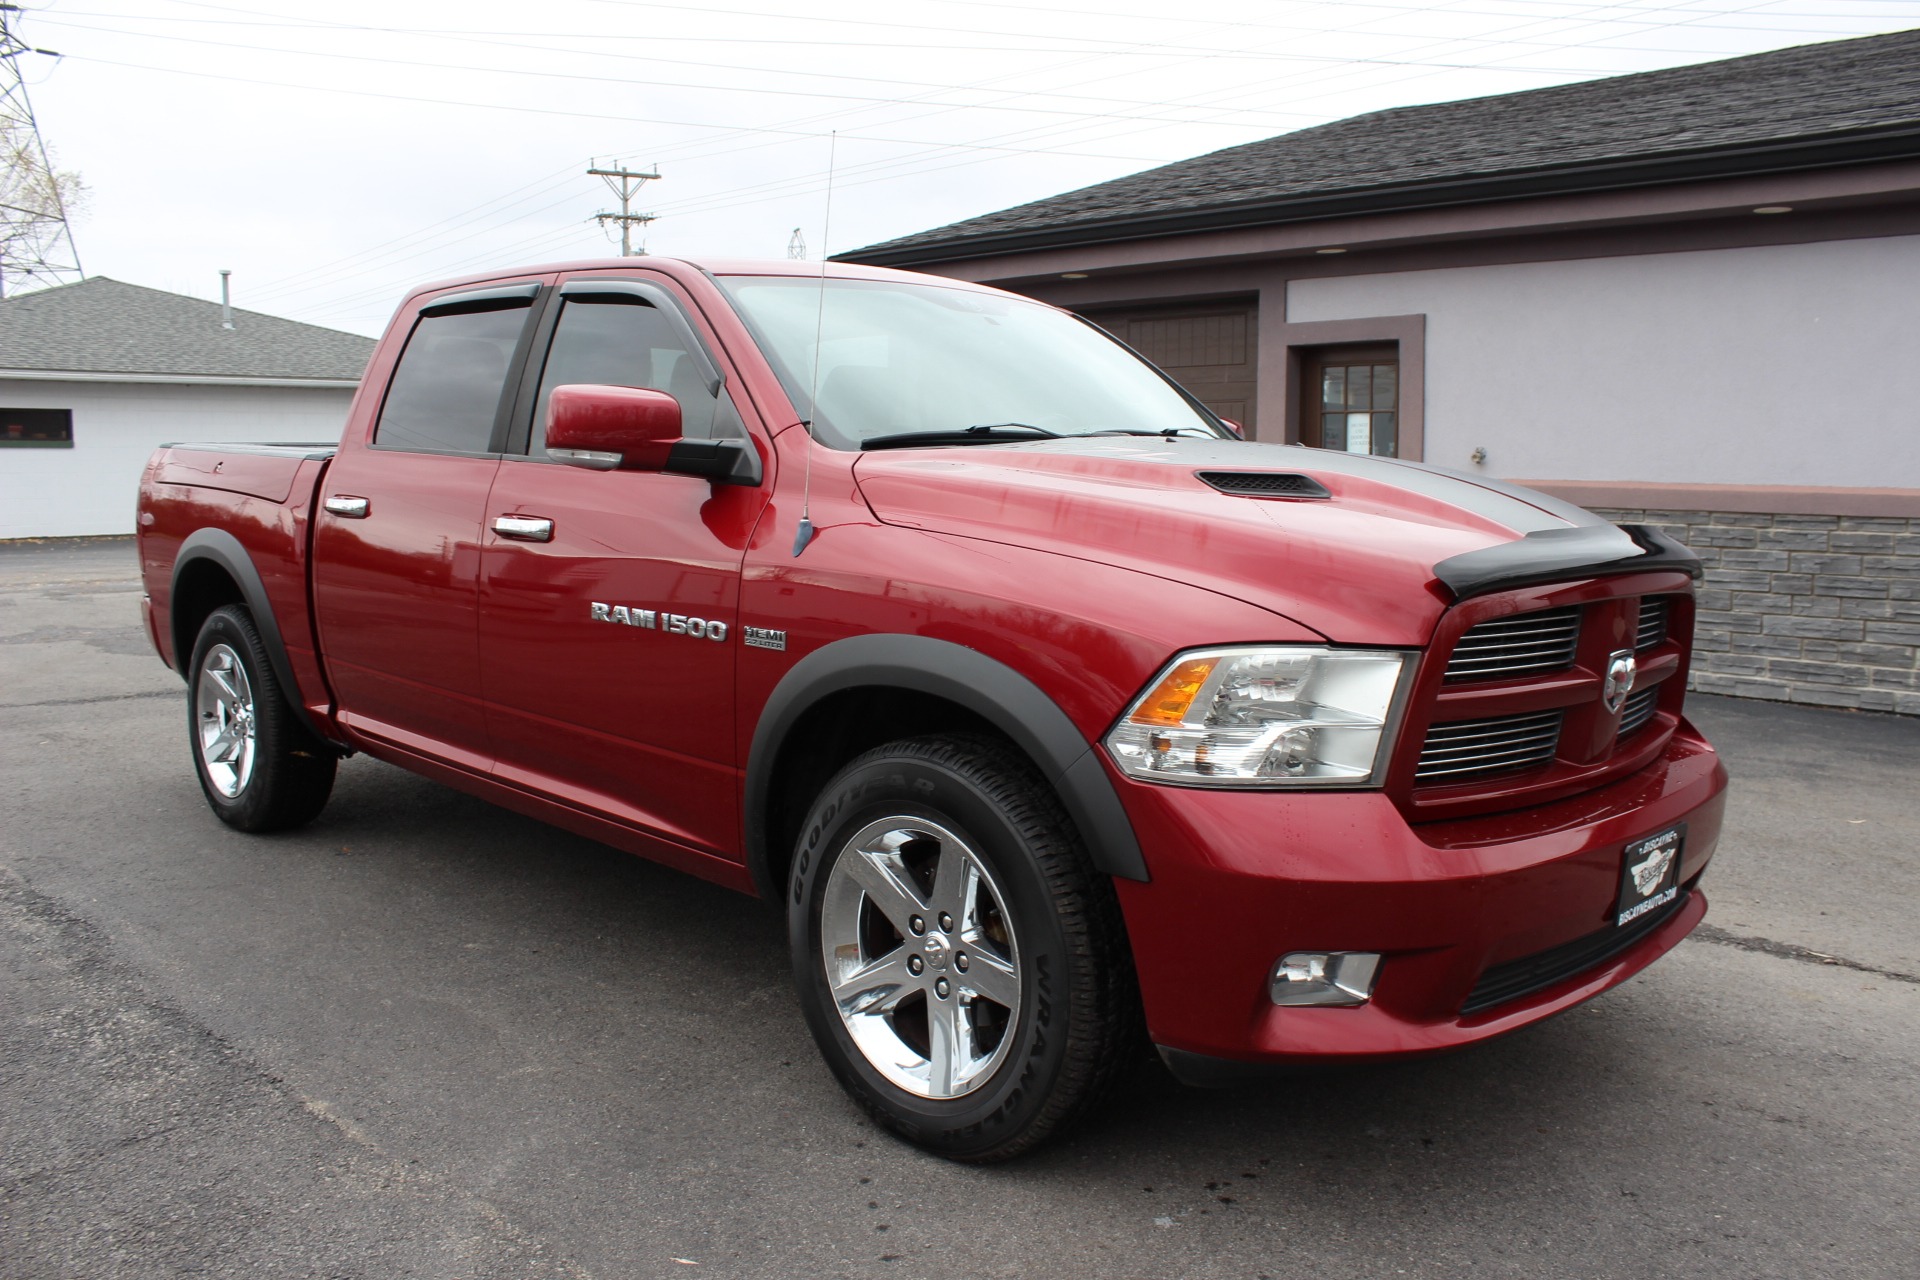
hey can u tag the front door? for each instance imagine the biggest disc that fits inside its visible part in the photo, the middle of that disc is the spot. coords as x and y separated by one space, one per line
1352 399
609 599
396 550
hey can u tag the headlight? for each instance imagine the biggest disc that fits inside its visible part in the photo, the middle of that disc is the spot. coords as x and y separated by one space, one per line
1264 717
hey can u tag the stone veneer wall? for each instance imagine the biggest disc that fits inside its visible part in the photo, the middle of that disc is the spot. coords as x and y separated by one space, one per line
1813 609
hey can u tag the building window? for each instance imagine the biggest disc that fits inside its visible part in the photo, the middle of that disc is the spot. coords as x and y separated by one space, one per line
36 428
1352 399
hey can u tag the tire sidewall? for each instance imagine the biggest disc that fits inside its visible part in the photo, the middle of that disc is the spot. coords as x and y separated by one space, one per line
1020 1087
225 626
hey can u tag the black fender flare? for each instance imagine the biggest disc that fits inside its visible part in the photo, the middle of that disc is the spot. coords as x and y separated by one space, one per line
227 551
988 688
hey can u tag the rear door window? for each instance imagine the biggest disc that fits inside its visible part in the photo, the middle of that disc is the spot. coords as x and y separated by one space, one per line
445 393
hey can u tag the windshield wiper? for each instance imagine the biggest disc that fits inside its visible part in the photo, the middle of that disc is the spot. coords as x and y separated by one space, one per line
1165 433
985 433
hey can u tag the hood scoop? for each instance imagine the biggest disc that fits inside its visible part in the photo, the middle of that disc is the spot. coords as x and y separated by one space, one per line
1264 484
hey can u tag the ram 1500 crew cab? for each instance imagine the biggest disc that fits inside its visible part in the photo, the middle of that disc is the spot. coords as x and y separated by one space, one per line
1055 713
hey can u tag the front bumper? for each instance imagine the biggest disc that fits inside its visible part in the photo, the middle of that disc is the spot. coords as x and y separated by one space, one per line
1242 878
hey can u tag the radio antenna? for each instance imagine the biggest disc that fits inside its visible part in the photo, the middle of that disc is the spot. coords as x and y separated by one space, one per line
804 534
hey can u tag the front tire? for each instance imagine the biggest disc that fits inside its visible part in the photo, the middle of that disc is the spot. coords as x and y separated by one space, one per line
961 964
260 769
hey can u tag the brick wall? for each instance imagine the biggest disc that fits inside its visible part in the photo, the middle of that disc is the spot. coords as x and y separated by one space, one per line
1815 609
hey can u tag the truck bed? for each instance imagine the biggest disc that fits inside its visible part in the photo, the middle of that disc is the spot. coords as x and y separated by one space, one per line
240 514
258 470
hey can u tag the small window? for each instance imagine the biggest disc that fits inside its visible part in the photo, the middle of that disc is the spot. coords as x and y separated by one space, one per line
621 341
36 428
1352 399
445 394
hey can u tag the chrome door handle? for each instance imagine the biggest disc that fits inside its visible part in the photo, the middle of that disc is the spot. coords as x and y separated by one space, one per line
524 528
352 508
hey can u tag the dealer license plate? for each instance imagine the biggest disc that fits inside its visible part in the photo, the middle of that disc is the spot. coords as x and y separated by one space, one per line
1650 874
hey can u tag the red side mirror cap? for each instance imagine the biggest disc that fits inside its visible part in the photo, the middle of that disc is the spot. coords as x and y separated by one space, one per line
608 428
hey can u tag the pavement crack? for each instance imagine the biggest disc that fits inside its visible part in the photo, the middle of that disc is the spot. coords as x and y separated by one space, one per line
1791 951
80 702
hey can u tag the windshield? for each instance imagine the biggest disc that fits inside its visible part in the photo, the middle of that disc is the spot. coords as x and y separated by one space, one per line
903 360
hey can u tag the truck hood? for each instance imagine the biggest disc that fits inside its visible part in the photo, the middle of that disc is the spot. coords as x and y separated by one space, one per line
1357 566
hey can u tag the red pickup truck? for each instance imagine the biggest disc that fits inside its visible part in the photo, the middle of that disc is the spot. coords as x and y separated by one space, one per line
1054 712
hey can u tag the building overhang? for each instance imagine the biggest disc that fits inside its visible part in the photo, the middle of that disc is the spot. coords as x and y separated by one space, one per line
1711 167
174 379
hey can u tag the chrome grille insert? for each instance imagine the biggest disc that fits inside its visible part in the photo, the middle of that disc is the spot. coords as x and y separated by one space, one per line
1639 709
1468 749
1527 644
1653 623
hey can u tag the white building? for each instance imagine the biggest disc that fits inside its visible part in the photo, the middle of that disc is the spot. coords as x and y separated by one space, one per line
94 375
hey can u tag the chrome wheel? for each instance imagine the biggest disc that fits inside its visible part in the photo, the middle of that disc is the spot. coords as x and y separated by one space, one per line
921 960
223 715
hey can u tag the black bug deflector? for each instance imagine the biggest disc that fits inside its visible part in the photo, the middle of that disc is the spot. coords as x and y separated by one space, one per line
1557 555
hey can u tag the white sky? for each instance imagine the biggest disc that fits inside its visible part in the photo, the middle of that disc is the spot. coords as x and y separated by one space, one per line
333 155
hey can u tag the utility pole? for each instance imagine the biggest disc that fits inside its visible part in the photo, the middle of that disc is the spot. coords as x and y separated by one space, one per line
797 247
36 244
625 184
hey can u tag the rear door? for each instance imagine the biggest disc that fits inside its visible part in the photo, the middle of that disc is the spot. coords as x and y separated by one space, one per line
609 599
396 557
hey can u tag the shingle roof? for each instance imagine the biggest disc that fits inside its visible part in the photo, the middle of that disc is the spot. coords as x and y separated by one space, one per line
1803 107
104 326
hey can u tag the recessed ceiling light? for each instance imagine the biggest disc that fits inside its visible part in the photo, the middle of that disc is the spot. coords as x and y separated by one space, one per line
1774 208
1329 250
1073 275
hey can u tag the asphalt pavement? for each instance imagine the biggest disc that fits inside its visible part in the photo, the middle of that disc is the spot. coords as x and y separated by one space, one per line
425 1037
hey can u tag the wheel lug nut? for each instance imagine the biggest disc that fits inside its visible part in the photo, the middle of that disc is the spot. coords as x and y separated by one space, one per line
946 923
915 964
916 924
941 989
960 961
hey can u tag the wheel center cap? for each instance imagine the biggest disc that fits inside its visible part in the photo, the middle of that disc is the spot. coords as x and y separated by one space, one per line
936 949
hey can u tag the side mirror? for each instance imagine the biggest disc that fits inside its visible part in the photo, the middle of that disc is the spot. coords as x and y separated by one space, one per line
612 428
1235 427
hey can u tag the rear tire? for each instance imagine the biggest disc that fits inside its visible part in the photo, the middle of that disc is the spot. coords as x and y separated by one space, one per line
259 767
961 964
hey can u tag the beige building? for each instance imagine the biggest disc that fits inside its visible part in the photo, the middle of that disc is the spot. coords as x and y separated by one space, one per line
1688 295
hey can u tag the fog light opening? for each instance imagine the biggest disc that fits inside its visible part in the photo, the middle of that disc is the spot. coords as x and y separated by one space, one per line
1324 978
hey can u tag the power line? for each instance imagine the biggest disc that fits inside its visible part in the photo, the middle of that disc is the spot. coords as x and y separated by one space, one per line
936 157
707 87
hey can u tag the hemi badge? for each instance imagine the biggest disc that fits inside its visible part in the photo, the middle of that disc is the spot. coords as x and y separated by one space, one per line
765 638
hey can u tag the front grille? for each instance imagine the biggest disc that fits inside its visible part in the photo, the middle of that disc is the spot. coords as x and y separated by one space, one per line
1265 484
1469 749
1653 623
1639 709
1523 977
1519 646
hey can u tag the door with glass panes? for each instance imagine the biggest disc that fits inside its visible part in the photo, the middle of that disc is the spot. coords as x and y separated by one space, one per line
1351 399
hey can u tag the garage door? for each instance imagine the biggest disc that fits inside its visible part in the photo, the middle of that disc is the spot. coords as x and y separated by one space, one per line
1208 349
